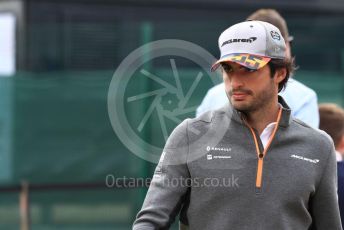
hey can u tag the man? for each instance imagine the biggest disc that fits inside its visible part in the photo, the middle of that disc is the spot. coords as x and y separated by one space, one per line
332 122
301 99
283 172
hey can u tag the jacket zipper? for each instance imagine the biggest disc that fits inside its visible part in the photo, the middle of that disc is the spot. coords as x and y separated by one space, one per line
260 155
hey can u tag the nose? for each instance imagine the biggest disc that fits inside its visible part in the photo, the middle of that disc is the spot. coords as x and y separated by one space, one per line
236 80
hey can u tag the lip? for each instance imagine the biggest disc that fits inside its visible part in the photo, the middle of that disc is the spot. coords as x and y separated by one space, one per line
239 96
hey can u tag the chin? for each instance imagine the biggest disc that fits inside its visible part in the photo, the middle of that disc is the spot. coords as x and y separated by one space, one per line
241 109
241 106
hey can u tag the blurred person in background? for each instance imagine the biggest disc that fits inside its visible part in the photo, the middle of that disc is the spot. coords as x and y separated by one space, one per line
332 122
301 99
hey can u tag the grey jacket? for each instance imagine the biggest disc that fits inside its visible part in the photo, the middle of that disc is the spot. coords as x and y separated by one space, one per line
208 171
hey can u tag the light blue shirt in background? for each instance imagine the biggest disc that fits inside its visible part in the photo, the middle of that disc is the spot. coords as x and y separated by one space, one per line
301 99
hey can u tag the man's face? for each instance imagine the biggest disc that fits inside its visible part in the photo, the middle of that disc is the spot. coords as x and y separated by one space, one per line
247 90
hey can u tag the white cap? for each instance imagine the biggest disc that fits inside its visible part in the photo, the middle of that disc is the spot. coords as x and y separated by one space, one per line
251 44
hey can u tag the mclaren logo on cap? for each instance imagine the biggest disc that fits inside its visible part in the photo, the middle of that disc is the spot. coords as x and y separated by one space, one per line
248 40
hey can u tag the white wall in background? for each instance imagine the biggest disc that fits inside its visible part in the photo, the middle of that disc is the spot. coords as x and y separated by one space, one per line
7 44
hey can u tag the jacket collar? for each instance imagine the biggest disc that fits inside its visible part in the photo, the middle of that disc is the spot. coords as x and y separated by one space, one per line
286 113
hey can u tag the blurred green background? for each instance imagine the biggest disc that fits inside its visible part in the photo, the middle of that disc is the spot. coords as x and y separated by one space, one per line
54 121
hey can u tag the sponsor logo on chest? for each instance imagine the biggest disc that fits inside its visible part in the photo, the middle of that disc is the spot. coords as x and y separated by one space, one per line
314 161
212 153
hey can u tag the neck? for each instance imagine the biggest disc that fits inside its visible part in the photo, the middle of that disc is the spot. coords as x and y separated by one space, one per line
260 118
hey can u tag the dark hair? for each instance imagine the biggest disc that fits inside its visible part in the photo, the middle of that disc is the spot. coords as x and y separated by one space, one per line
332 121
276 64
272 16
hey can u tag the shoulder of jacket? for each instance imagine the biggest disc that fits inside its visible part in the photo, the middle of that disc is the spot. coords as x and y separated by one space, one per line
208 116
316 134
301 123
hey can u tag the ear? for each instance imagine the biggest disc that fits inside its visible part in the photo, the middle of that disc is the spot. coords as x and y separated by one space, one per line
340 145
280 74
